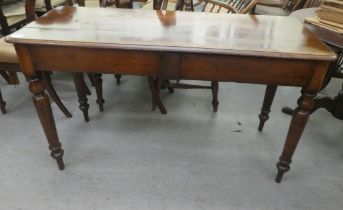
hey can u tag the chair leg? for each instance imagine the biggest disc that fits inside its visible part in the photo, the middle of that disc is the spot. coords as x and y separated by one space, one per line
267 103
5 76
156 100
52 93
13 76
117 76
91 78
98 87
215 102
170 89
2 104
79 86
85 87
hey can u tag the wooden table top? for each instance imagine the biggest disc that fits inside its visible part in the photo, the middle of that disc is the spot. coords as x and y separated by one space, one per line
247 35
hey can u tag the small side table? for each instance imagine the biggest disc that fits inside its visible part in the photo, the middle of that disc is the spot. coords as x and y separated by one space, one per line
335 42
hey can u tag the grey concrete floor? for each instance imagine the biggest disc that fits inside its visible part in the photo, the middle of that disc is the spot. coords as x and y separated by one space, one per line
129 157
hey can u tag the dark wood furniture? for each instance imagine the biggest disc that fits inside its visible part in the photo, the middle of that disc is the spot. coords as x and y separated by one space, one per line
335 41
235 48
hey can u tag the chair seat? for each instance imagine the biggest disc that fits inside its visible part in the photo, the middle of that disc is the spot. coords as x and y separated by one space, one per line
275 11
7 52
14 13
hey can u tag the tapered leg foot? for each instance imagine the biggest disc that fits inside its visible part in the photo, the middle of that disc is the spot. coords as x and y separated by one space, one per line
117 76
52 93
81 94
2 104
267 102
282 167
98 87
156 100
57 154
296 128
215 102
43 108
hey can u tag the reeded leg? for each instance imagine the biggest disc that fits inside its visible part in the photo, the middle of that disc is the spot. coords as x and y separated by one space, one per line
52 93
117 76
296 128
267 103
214 87
98 87
156 100
79 86
2 104
43 108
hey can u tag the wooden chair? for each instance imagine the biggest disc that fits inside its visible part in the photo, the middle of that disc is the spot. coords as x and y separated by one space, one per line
9 63
12 15
283 7
43 6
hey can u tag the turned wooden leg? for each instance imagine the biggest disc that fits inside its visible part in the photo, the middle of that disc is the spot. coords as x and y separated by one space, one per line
43 108
117 76
267 103
98 87
156 100
2 104
52 93
296 128
214 87
79 86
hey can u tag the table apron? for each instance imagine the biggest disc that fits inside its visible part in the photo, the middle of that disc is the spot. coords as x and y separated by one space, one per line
173 65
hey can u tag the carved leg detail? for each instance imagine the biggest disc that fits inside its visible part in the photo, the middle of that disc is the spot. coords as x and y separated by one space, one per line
156 100
43 108
98 87
297 126
2 104
214 87
79 86
52 93
117 76
267 103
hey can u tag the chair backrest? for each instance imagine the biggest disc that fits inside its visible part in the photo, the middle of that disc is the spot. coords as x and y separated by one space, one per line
30 8
3 19
214 6
229 6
